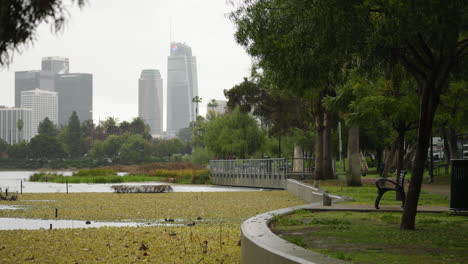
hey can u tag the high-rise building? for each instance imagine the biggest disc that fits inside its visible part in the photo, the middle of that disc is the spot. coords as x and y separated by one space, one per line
182 87
15 124
150 100
75 92
43 104
217 106
50 67
25 81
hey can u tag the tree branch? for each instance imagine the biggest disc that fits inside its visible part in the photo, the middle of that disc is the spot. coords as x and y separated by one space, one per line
417 56
426 49
417 73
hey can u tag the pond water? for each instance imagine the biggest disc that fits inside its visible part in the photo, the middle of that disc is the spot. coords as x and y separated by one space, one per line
33 224
12 181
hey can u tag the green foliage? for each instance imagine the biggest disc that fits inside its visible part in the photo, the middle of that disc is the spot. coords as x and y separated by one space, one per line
73 136
19 21
166 148
233 135
135 149
42 146
3 145
200 156
47 128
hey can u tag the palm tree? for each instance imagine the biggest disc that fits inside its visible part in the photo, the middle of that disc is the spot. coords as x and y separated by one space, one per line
197 99
20 125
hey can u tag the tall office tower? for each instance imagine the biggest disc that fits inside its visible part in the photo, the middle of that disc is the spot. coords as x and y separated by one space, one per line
43 104
75 92
15 124
150 100
25 81
182 87
50 67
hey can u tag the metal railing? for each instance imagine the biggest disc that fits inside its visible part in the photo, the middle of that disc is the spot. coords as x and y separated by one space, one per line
256 172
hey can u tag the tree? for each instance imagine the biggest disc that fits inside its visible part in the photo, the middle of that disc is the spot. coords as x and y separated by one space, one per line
427 37
73 136
47 128
3 146
110 126
197 99
134 150
138 126
19 20
233 135
20 125
19 150
43 146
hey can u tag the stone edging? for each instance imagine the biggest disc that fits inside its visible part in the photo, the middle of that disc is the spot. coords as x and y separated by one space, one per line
261 246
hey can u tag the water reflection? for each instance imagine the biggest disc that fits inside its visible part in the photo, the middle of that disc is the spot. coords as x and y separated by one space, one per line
34 224
12 180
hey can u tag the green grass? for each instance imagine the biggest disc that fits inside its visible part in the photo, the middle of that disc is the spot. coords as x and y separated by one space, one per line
110 176
367 195
375 237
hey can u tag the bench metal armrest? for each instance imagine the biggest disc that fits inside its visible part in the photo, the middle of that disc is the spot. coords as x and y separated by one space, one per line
380 181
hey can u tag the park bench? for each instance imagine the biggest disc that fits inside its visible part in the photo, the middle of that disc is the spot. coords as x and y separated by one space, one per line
398 186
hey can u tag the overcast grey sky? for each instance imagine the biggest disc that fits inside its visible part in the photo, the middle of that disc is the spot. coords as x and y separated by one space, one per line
115 39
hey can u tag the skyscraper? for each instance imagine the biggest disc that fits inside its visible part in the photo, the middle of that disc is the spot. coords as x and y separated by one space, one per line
25 81
182 87
10 129
75 92
43 104
49 68
150 100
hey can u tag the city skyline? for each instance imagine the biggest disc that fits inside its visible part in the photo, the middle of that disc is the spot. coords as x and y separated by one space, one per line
116 61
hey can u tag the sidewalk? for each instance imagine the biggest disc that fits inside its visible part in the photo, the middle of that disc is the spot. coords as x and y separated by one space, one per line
371 208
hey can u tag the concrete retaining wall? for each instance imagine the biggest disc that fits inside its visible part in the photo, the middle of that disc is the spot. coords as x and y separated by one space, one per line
261 246
306 192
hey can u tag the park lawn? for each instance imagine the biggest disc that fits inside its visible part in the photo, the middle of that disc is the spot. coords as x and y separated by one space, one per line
366 195
214 239
358 237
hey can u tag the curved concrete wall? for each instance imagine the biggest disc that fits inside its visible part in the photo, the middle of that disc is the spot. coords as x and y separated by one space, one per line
261 246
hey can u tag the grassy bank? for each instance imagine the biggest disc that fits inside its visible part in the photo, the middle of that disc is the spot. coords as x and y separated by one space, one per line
375 237
212 240
183 176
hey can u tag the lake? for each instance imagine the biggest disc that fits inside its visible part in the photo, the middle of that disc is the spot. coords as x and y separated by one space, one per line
12 181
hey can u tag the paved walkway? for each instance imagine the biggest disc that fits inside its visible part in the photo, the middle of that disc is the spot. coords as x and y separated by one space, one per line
383 208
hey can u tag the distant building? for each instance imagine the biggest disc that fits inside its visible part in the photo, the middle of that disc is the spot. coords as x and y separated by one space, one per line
218 106
43 104
182 87
75 93
25 81
10 118
50 67
150 100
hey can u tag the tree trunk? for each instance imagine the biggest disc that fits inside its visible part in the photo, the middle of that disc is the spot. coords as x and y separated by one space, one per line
447 147
378 161
319 146
453 144
429 102
298 165
328 172
389 160
400 152
353 172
